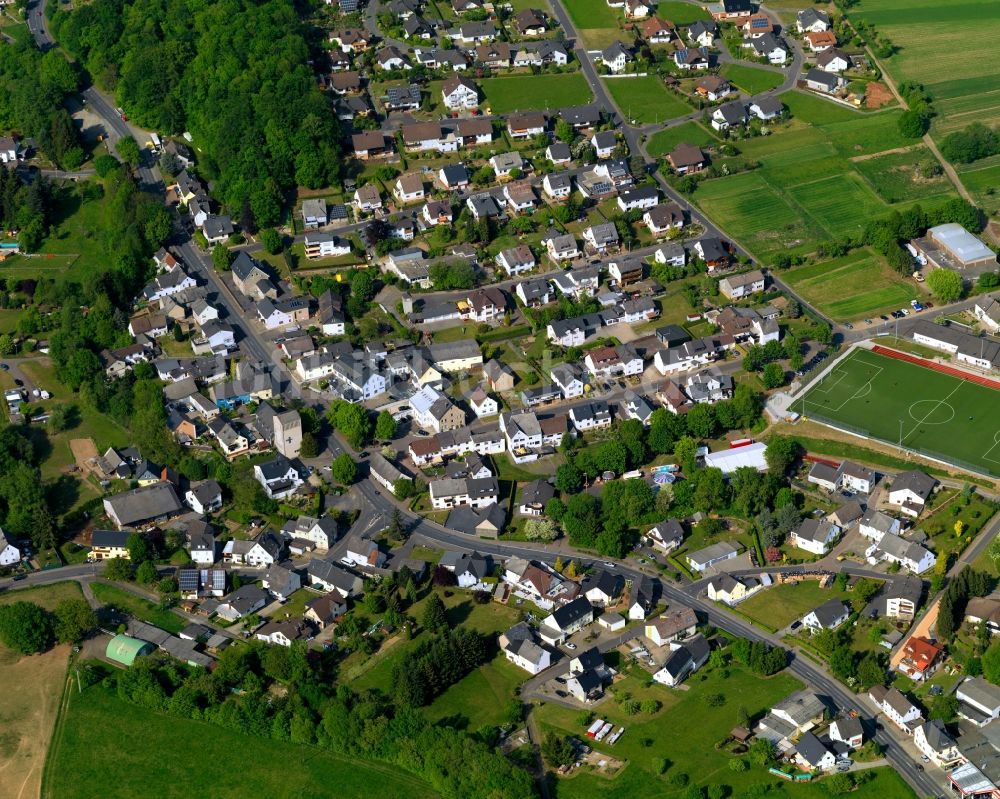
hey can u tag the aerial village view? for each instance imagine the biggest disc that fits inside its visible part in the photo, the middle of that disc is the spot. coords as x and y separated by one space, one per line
511 399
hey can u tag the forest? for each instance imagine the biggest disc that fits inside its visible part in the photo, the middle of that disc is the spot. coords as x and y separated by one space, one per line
246 92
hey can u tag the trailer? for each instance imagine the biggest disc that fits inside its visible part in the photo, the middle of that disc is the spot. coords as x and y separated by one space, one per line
595 728
617 734
608 726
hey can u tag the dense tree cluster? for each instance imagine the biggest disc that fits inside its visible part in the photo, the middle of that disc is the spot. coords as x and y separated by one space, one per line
759 657
246 91
970 144
887 233
437 663
27 628
238 695
951 609
26 208
33 87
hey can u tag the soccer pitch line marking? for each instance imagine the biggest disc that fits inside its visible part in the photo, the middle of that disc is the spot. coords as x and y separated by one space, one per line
937 404
996 443
862 392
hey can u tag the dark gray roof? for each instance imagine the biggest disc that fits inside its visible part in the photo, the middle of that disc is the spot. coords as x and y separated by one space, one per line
830 612
607 582
572 612
144 503
811 749
109 538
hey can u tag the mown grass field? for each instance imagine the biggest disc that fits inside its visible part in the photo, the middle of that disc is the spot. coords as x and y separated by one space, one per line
809 188
109 748
752 80
691 748
858 285
507 94
137 606
646 100
896 177
678 12
947 46
780 605
927 411
663 141
982 178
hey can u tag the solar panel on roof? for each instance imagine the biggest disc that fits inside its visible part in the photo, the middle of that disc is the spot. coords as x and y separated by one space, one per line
760 23
188 580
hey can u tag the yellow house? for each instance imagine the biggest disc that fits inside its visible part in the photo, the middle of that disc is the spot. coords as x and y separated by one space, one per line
108 544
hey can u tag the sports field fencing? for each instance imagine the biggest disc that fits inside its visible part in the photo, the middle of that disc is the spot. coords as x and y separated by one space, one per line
947 460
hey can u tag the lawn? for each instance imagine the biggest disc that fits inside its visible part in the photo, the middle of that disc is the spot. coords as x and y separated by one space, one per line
780 605
376 671
479 699
808 187
592 14
30 708
815 110
646 100
46 596
940 525
752 80
137 606
507 94
107 747
681 13
940 43
897 177
923 410
73 249
756 213
664 141
855 286
689 748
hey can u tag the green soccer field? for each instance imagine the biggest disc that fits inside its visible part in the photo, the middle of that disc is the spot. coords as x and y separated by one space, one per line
901 403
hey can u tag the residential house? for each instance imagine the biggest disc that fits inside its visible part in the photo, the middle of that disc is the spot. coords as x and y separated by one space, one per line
666 536
811 19
615 57
875 524
730 115
828 616
812 755
326 609
242 602
482 404
535 496
451 492
656 31
815 536
602 587
641 597
520 648
526 125
770 47
833 60
104 545
604 143
736 287
713 252
821 81
278 477
910 491
327 576
907 554
921 658
703 33
459 93
664 219
797 713
900 710
820 41
566 620
685 158
281 582
935 743
601 237
673 624
593 415
204 497
498 376
766 107
319 533
847 731
684 659
364 554
691 58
